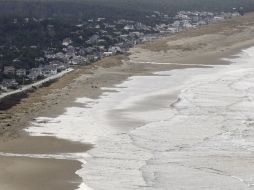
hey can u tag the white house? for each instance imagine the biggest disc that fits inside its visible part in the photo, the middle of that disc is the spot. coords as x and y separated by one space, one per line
218 18
187 24
107 54
129 27
67 42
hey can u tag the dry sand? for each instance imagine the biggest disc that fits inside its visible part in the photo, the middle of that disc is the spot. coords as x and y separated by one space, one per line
205 45
197 47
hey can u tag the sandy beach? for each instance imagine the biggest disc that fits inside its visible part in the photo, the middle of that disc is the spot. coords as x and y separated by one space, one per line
29 173
196 48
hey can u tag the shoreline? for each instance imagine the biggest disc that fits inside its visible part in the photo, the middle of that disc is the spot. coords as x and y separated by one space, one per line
87 83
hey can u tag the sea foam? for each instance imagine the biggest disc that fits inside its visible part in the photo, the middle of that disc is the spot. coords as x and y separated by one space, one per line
180 129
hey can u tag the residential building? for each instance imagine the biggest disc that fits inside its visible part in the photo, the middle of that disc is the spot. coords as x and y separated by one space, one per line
115 49
67 42
129 27
93 39
3 88
9 70
34 73
106 54
21 72
9 83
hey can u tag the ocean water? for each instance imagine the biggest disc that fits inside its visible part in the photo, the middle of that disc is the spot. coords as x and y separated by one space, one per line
181 129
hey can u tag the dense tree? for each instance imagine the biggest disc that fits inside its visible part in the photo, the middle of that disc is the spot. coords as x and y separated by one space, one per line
75 9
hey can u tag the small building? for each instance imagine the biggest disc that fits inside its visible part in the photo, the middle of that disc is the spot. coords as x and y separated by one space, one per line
218 18
9 70
39 59
202 22
172 30
49 70
97 26
3 89
115 49
78 60
107 54
93 39
10 83
129 27
34 73
21 72
234 14
89 50
241 11
67 42
176 23
70 51
186 24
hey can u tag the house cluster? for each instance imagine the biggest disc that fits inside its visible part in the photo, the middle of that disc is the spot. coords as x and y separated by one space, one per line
106 38
15 77
193 19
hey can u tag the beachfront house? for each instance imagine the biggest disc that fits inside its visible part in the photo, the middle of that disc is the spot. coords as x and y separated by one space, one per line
3 89
115 49
49 70
172 30
176 25
107 54
10 83
34 73
60 66
78 60
186 24
218 18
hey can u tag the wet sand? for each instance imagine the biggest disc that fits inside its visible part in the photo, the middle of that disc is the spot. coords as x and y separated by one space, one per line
29 173
203 46
42 145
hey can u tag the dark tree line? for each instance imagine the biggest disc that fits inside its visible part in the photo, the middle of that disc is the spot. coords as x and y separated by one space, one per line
132 9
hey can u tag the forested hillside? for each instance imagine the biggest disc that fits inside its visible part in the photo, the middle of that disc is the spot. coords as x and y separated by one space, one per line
73 9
